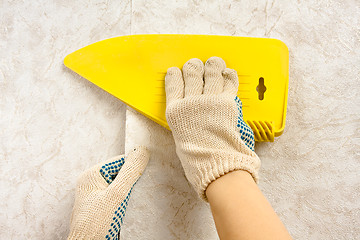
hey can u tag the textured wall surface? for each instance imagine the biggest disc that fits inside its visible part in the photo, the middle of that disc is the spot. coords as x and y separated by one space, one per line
54 124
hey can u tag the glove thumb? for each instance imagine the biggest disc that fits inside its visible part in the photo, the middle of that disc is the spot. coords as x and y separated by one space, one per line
134 166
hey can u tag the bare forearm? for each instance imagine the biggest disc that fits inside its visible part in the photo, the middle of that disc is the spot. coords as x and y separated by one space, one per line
241 211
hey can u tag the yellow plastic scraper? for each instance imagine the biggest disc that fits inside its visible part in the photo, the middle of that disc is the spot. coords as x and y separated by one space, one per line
133 69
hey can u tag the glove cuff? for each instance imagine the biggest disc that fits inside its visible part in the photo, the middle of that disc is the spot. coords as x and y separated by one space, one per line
206 171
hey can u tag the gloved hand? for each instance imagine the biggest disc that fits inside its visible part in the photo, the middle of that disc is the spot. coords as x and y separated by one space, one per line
205 117
102 196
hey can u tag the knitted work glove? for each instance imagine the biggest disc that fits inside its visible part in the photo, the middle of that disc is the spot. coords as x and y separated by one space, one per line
102 196
205 117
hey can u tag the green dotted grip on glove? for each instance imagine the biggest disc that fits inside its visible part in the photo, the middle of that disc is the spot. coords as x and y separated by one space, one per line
247 135
109 172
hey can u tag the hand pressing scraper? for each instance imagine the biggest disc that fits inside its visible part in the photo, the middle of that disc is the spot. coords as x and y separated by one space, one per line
133 69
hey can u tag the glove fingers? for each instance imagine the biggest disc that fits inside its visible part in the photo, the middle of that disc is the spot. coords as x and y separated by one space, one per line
231 81
130 172
193 71
100 175
214 81
174 84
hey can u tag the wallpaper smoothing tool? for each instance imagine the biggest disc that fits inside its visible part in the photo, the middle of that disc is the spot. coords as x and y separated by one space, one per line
133 69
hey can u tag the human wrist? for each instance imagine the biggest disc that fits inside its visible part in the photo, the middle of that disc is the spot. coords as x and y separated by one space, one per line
227 183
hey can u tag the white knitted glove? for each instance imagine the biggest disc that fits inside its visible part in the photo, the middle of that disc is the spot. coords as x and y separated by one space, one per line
102 196
205 117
